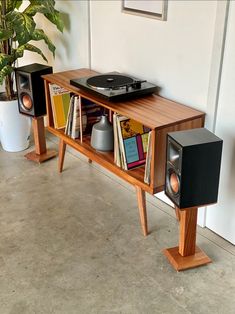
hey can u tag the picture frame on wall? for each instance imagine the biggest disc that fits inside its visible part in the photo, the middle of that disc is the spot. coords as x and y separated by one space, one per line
156 9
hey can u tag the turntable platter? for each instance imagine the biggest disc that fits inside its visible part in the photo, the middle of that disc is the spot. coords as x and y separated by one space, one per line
114 86
109 81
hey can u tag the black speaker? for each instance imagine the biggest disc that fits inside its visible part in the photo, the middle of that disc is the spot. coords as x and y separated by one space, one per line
193 167
30 88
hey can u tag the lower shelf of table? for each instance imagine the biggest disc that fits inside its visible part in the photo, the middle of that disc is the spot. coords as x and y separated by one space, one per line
106 159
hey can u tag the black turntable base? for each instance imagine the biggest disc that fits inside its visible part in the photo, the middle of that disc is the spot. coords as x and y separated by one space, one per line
115 86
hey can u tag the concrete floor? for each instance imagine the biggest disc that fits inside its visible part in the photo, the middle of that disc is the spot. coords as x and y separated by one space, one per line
72 243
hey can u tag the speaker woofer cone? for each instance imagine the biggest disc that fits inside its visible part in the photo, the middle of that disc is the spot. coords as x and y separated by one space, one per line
26 102
173 182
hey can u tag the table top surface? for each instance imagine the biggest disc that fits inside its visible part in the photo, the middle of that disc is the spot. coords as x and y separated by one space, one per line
153 110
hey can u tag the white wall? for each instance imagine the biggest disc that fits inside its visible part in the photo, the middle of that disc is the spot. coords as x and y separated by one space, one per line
72 47
175 54
221 217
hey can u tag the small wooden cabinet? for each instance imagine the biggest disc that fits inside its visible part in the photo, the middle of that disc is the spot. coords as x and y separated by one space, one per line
159 114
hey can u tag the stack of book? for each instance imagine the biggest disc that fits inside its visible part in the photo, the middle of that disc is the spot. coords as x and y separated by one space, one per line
81 117
132 144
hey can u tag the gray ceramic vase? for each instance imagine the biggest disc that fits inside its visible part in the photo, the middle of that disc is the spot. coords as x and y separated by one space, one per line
102 135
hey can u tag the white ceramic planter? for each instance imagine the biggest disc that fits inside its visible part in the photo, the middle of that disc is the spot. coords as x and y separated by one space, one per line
14 127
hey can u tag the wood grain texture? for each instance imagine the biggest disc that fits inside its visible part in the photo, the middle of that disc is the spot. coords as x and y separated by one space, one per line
33 156
39 135
182 263
62 149
142 210
153 111
41 153
105 159
188 230
187 254
158 113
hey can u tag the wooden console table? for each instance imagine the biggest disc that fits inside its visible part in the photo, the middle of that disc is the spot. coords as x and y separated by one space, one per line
159 114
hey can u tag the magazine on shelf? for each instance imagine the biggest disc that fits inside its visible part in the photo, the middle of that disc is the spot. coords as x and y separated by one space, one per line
133 142
60 100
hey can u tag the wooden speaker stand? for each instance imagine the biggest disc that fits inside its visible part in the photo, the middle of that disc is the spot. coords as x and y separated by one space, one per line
187 254
41 153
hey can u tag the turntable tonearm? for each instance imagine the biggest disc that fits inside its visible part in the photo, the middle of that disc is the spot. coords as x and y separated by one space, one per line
115 86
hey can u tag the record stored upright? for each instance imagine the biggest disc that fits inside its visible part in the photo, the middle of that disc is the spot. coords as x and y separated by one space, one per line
159 114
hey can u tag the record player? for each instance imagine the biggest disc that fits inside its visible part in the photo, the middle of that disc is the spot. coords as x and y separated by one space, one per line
114 86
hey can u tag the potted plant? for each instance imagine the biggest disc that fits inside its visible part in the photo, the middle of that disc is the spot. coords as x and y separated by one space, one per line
17 31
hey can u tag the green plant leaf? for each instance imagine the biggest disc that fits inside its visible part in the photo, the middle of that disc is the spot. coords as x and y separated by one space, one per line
37 8
19 52
33 48
5 71
18 29
47 3
47 8
40 6
5 34
4 60
39 34
55 18
22 24
13 4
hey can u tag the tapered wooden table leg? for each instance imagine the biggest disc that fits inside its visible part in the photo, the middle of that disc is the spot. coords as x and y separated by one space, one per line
142 209
62 148
187 254
41 153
